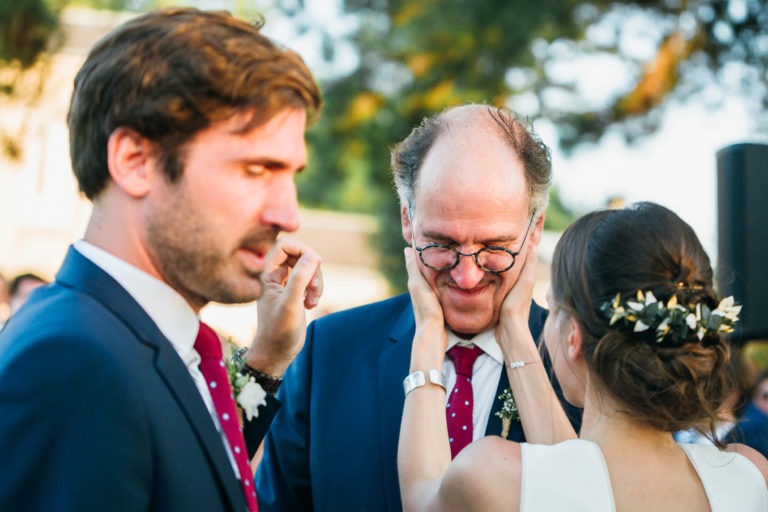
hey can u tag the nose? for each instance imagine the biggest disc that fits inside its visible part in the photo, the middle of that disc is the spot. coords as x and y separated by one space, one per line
466 274
281 208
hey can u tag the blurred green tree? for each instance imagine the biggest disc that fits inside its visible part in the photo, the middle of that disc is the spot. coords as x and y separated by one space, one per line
29 34
27 30
417 57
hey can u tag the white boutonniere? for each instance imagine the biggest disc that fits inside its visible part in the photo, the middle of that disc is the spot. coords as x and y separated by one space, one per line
508 412
249 395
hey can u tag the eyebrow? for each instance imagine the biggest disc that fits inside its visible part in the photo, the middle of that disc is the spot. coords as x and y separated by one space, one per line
270 163
502 239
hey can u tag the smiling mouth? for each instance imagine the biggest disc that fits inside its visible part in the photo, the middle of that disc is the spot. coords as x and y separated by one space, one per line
468 294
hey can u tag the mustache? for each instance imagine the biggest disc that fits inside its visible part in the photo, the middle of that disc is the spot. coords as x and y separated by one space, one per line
262 239
447 280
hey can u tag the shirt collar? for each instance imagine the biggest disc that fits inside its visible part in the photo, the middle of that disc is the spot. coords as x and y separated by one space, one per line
165 306
486 340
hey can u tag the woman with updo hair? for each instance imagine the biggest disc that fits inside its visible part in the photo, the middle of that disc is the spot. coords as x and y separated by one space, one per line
635 336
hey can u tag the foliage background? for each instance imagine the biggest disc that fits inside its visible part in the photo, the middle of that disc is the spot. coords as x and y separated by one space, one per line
414 58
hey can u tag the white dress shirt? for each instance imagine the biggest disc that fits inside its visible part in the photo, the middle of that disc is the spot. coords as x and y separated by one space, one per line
485 377
171 313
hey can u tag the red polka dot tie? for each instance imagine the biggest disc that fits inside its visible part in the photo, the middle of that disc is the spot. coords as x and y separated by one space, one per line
212 366
460 401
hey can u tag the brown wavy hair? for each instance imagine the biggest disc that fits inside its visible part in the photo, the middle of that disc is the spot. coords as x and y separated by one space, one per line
171 73
643 247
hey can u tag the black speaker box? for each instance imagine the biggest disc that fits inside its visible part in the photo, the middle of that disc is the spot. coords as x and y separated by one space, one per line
742 205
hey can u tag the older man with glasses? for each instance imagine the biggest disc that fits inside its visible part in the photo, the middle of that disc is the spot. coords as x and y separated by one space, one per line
473 185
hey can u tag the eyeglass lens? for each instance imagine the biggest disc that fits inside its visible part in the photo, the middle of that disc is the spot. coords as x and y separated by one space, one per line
491 260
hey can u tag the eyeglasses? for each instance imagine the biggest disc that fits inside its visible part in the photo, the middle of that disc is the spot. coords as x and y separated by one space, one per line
494 259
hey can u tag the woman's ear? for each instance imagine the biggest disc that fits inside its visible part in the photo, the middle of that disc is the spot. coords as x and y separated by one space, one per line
575 340
130 161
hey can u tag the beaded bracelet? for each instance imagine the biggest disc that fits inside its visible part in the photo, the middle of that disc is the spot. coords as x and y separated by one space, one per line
520 364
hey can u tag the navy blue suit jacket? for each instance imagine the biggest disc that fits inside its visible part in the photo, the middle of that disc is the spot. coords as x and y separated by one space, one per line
751 430
333 444
97 410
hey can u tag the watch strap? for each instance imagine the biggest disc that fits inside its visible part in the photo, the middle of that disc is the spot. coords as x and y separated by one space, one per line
269 383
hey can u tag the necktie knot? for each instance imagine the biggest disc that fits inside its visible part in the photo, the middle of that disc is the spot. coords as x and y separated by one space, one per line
207 343
464 358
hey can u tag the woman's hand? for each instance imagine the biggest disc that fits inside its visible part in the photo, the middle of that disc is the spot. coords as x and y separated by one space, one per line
426 307
431 338
515 310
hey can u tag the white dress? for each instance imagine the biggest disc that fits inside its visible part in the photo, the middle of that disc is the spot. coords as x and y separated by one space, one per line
573 476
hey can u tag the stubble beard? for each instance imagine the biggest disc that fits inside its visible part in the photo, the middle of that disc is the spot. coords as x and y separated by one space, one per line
197 265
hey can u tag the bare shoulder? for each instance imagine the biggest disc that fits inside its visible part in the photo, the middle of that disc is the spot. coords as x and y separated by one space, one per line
753 455
485 476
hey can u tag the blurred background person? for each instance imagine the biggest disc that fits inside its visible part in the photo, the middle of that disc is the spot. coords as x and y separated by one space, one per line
752 427
742 376
20 287
3 300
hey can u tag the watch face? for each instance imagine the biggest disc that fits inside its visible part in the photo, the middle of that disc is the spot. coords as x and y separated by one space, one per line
413 381
418 379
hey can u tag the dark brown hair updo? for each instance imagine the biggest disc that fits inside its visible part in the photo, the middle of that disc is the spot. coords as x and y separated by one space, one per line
643 247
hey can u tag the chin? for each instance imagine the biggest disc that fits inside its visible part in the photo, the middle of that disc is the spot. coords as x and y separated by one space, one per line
468 327
238 294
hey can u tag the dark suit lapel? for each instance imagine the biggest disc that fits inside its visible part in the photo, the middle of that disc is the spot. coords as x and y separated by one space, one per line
393 368
177 378
80 273
495 424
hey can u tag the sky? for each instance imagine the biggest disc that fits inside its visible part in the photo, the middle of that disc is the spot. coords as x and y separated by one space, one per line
675 167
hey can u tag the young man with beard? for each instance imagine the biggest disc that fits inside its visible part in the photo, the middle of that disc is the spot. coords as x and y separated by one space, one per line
473 185
187 130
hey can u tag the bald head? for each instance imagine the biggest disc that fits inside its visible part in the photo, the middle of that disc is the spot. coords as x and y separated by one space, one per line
473 130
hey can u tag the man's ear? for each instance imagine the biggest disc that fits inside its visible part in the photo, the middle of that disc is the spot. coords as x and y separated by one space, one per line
129 158
575 340
537 229
406 224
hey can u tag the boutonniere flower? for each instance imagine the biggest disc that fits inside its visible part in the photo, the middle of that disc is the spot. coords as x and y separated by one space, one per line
249 395
508 412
